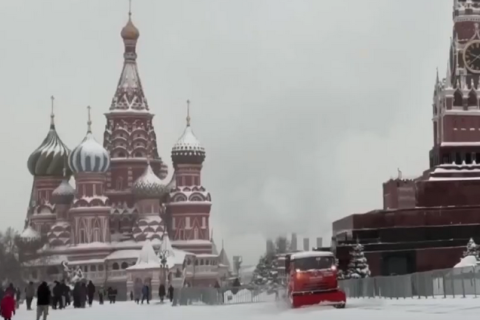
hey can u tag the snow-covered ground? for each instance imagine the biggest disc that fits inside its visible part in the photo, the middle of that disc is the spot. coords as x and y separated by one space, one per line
372 309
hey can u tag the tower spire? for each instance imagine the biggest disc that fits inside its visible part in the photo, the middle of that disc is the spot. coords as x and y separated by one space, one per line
129 9
65 167
188 113
89 122
52 114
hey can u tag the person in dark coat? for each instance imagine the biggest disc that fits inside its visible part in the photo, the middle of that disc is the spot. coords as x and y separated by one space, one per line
57 296
76 295
170 293
43 300
29 294
146 294
161 292
101 293
65 293
110 294
83 295
90 292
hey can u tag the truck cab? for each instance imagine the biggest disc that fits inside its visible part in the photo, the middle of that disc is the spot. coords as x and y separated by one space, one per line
312 278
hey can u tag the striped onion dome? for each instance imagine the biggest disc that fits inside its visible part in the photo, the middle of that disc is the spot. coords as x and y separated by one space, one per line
89 155
148 185
50 157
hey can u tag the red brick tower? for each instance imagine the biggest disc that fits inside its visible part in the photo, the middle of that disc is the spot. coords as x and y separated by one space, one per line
455 156
189 202
129 131
90 215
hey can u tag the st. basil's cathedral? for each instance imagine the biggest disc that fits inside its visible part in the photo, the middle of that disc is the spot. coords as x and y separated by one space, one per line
121 207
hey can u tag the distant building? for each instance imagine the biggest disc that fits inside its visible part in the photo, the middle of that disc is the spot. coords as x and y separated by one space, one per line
426 222
306 244
122 205
319 242
293 242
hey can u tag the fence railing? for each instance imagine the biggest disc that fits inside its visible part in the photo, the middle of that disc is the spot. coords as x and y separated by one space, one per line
455 282
220 296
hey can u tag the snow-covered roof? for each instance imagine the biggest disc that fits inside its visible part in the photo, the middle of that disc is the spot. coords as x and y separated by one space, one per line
223 258
148 185
89 156
468 261
123 254
147 258
188 144
64 193
214 248
174 256
129 95
310 254
30 234
49 158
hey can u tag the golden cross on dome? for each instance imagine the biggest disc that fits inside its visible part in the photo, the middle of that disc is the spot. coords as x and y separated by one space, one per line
89 122
129 9
52 114
188 113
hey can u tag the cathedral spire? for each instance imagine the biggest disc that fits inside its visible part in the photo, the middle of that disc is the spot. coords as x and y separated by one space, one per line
52 114
89 122
129 95
188 113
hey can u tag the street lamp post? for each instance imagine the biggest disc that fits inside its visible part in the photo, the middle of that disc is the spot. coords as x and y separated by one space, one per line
163 265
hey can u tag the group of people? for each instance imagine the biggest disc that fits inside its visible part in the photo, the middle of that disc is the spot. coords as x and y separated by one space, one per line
142 293
57 296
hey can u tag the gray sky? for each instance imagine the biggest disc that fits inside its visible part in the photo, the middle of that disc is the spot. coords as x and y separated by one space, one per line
304 107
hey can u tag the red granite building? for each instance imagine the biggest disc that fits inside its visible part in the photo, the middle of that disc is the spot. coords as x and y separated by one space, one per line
426 222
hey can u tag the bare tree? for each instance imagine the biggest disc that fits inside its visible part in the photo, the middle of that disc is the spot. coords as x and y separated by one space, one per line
9 263
281 245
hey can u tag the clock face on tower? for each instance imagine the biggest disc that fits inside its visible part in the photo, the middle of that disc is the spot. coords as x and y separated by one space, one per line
471 56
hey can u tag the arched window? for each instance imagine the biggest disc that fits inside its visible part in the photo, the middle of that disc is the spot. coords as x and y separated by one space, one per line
97 231
458 99
138 155
119 183
82 232
472 99
115 266
124 265
93 268
195 233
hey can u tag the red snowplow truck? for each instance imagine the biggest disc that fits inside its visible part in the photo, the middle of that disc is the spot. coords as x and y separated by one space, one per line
312 279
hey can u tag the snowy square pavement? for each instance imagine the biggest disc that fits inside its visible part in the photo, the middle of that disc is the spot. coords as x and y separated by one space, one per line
372 309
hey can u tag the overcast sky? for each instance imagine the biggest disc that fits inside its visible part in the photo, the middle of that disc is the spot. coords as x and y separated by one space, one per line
304 107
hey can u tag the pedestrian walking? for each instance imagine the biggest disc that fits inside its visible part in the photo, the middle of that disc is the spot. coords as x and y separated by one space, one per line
43 300
7 306
90 292
29 294
161 292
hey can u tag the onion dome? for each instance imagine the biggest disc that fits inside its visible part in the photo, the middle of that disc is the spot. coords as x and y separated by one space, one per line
89 156
49 158
148 185
30 234
130 32
64 193
188 149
